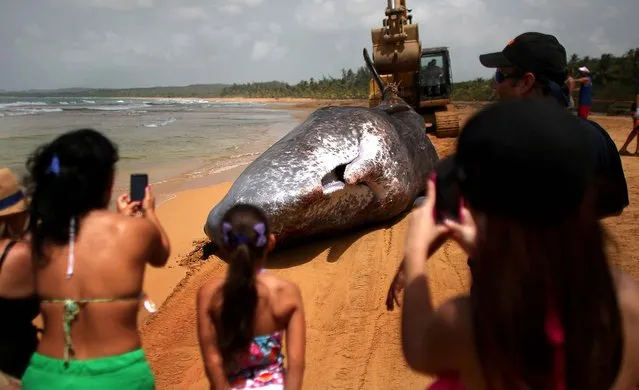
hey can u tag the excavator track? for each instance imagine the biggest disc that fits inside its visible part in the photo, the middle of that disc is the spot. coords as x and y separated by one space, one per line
446 124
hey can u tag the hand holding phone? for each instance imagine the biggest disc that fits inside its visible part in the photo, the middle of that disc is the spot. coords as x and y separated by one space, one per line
447 194
139 181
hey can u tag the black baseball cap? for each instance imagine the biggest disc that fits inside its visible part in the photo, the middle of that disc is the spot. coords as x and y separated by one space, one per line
535 52
526 159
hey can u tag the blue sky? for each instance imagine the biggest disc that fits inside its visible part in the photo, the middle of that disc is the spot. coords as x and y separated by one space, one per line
136 43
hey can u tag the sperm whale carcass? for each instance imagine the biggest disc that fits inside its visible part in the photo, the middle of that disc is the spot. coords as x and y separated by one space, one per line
341 168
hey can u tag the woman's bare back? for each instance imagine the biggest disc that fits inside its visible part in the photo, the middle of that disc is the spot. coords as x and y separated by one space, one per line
111 251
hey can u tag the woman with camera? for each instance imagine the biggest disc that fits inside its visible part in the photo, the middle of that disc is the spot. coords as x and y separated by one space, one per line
89 266
547 311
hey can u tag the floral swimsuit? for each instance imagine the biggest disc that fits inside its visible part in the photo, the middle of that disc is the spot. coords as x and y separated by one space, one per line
261 366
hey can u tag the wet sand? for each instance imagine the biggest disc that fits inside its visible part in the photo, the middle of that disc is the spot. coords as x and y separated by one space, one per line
352 341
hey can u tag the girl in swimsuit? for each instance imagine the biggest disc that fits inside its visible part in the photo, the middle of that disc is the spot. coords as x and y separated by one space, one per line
89 265
241 318
546 310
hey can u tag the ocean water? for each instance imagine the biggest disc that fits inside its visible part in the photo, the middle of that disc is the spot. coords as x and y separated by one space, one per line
173 140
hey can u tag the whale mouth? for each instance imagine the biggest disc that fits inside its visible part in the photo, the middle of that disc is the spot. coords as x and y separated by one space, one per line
334 180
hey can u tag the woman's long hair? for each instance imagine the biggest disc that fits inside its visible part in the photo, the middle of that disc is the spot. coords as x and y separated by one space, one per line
66 179
245 232
522 271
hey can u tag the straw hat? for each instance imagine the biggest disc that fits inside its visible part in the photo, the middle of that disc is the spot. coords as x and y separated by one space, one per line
12 199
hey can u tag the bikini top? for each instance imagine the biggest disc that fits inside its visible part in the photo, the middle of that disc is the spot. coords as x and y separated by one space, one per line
72 306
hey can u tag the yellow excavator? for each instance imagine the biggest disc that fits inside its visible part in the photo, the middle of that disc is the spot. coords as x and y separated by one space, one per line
423 75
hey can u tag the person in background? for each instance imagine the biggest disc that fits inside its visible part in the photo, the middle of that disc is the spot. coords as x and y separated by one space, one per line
544 296
585 92
19 305
89 266
241 318
569 87
634 112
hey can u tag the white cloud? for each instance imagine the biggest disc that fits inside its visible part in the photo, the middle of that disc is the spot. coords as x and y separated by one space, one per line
318 15
266 45
232 9
275 28
538 24
536 3
120 5
267 49
610 12
599 40
250 3
576 3
123 43
190 13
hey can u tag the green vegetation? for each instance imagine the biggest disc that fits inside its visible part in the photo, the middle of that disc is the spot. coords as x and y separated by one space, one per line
613 78
351 85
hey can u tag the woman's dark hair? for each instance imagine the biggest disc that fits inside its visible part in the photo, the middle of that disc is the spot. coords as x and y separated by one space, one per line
245 232
520 271
67 178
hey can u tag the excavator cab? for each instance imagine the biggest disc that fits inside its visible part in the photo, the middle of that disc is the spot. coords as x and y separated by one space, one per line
435 79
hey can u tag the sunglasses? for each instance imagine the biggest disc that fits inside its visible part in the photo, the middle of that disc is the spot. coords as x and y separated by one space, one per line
501 76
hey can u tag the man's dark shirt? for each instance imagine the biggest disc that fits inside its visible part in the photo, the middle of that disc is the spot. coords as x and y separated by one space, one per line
612 195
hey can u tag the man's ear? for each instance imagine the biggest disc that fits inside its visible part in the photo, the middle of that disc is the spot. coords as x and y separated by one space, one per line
527 81
271 242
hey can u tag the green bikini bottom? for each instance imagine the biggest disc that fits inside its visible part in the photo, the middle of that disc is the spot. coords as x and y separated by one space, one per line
129 370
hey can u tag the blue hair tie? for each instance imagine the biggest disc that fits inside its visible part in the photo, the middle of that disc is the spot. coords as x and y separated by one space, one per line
234 239
54 166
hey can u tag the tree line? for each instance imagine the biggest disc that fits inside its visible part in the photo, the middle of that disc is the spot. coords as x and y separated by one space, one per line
614 77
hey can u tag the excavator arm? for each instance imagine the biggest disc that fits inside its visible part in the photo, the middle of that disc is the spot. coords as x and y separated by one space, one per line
398 56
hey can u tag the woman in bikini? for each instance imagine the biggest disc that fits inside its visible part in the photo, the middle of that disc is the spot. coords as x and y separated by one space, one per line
547 311
89 266
241 319
19 305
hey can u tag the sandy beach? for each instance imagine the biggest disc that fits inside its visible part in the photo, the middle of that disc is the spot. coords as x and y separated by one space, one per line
352 341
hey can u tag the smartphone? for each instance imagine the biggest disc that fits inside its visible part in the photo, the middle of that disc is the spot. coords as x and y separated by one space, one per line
139 181
447 196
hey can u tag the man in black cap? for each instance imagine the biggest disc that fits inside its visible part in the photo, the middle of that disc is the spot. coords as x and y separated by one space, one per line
534 64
